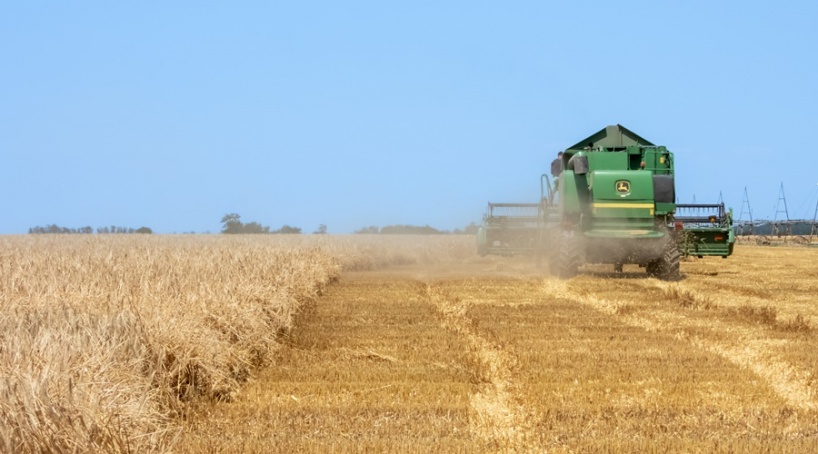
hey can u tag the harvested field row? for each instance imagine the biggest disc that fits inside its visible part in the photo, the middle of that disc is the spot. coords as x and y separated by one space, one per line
368 369
603 362
498 419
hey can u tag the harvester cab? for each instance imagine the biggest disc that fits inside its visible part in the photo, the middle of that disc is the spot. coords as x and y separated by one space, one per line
614 203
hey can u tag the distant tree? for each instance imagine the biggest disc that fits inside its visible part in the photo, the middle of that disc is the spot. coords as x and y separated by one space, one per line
322 230
286 229
254 227
54 228
231 223
144 230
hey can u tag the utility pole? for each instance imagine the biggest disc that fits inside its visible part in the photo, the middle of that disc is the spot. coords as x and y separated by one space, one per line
746 202
781 199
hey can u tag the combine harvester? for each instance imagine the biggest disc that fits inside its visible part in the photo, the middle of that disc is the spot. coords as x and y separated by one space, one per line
613 203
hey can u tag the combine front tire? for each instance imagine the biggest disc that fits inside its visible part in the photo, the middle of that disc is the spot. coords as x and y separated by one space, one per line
567 257
666 267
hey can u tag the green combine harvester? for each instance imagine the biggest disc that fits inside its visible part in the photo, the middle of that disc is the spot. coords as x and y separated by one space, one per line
615 202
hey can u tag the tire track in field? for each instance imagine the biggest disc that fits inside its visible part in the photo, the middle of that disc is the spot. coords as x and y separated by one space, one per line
497 419
747 348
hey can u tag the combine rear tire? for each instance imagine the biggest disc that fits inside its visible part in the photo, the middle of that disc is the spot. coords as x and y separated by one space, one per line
666 267
567 258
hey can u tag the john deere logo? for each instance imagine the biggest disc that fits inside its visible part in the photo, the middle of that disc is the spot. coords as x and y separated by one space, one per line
623 186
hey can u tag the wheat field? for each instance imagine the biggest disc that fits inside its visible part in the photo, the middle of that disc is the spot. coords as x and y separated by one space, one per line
494 355
396 344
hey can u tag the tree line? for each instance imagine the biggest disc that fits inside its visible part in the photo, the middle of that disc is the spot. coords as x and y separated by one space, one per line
231 224
87 230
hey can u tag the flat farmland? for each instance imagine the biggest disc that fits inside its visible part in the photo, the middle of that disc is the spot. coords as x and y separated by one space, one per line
491 354
379 343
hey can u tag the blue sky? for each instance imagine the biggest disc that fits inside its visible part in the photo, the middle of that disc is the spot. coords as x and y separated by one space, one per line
350 114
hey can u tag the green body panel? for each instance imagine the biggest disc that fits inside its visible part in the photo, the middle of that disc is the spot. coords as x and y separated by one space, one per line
612 161
619 213
633 185
663 209
658 160
572 194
